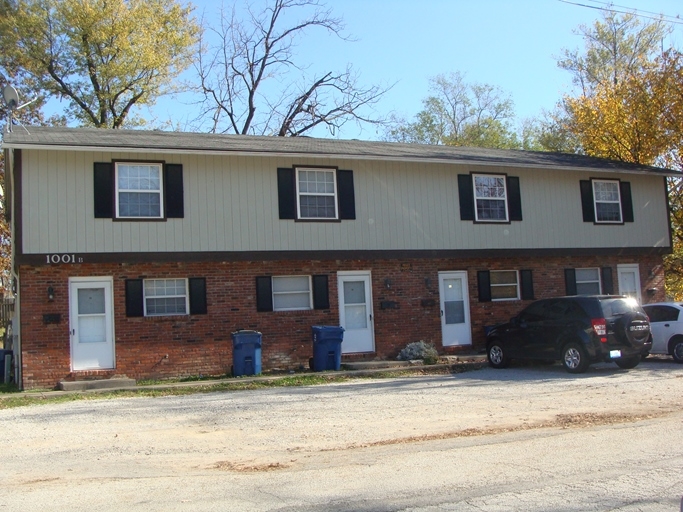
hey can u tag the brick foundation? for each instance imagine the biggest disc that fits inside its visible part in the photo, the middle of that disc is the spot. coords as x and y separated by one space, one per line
177 346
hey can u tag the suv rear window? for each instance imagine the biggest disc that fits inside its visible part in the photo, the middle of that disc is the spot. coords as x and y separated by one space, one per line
618 307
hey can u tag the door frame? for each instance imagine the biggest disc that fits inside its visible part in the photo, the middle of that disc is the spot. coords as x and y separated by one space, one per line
466 300
636 269
367 276
109 280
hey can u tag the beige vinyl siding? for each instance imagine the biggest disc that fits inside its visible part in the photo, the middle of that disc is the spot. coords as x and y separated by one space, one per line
231 204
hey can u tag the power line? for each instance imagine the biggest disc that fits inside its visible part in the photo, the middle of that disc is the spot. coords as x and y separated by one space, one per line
676 20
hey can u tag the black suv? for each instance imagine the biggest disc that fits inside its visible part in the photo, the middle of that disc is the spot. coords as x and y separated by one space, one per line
577 330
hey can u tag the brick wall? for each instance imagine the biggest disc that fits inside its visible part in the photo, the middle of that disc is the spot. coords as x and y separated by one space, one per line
177 346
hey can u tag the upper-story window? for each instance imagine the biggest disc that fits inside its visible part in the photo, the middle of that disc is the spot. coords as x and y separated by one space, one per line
607 200
490 196
139 189
317 193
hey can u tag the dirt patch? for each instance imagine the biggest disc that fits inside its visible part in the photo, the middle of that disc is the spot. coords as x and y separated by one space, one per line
577 420
241 467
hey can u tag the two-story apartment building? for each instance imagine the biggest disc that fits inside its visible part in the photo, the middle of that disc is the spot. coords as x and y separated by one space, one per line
137 253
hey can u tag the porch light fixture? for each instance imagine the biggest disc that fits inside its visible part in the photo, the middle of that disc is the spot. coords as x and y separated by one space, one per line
387 283
50 293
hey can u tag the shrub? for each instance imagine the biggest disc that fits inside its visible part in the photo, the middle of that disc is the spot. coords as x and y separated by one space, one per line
419 350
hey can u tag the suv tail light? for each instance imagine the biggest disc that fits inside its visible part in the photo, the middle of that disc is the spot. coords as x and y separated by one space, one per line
600 328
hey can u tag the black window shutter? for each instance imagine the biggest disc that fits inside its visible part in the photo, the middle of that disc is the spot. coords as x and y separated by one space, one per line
514 198
286 194
527 284
134 298
346 195
484 283
466 195
607 283
626 201
570 281
264 293
587 201
173 191
103 181
197 295
321 295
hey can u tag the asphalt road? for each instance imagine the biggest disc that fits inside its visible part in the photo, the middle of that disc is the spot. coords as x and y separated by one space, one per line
530 438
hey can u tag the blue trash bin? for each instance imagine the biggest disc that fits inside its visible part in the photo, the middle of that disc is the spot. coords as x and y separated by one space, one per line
246 353
327 342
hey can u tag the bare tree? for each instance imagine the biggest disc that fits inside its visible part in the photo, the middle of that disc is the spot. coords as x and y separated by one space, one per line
248 76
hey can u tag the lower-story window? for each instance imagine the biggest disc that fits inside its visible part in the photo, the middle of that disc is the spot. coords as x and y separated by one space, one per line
292 293
588 281
165 297
504 285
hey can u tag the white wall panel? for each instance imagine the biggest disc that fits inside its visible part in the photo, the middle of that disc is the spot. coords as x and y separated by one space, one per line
231 204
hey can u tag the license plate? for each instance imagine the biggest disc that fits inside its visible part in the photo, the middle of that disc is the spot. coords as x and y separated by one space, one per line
614 354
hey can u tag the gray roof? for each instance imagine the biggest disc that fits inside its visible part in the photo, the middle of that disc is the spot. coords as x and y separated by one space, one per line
94 139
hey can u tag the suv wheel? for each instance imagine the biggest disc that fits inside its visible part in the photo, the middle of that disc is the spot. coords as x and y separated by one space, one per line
574 358
496 355
677 350
627 362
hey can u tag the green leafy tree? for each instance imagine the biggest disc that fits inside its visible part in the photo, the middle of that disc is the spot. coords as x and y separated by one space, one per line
457 113
629 108
104 57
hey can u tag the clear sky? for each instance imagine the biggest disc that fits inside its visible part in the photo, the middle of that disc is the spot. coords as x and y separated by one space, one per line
512 44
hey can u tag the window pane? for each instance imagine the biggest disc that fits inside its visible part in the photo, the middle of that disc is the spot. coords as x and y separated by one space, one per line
588 288
606 191
491 209
504 277
455 312
291 284
167 306
452 289
318 207
490 186
139 204
587 274
298 300
91 301
355 317
608 212
504 292
92 329
354 292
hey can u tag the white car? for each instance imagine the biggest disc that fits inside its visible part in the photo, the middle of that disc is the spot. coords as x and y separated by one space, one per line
666 325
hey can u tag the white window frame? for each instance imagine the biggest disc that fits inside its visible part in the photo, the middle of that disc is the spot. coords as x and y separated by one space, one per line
596 201
160 166
145 297
599 280
477 198
500 285
299 193
308 292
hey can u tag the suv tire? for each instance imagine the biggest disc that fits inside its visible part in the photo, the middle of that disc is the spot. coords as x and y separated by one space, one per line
627 362
676 349
574 358
496 355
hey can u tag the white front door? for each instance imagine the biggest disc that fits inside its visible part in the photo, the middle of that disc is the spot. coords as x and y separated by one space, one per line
355 312
629 281
91 323
455 309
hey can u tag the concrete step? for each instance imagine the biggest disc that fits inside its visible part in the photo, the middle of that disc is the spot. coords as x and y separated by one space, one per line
84 385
